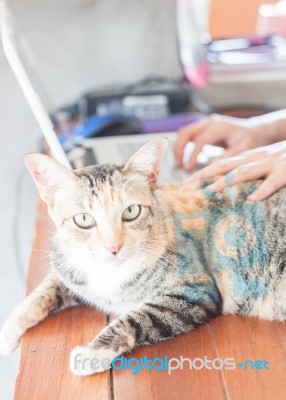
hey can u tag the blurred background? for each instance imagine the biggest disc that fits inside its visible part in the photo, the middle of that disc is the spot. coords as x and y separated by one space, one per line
71 47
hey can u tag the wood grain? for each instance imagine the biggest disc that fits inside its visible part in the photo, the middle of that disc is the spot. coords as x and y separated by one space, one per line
252 339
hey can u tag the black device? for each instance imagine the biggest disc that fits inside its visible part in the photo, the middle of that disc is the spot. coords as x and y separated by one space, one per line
150 98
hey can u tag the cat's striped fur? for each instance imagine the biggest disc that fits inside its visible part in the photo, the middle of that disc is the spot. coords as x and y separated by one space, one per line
164 281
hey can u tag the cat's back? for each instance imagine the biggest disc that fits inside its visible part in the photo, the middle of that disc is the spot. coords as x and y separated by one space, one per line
243 243
197 195
228 209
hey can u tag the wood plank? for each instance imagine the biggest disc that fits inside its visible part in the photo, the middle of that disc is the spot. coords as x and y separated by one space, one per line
44 367
184 384
252 339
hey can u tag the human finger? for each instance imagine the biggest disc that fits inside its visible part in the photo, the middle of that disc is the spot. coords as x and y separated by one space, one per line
245 173
230 152
221 167
271 184
186 135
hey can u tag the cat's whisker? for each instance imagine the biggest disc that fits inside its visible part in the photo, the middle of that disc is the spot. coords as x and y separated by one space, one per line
144 242
47 251
164 257
45 257
162 240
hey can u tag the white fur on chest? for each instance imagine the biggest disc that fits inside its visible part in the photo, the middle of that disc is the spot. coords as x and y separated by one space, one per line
105 280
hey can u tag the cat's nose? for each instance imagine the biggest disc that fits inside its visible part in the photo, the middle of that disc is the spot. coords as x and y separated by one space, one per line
116 248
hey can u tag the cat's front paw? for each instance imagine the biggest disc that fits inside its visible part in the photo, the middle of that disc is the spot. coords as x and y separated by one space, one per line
85 360
8 344
10 337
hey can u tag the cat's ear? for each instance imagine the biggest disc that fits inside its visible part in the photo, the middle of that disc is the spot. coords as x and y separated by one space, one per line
49 176
148 160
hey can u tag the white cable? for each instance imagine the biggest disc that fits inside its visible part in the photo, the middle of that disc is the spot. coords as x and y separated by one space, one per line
32 97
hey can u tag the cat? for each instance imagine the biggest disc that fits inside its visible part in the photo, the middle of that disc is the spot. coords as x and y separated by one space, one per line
164 258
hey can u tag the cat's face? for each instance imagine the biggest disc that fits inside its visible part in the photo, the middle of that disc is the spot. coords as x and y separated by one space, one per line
107 209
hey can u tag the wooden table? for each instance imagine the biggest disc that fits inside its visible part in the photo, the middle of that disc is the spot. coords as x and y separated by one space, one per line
44 372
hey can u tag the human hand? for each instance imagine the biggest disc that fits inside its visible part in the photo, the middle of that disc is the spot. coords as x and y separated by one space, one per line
234 134
265 162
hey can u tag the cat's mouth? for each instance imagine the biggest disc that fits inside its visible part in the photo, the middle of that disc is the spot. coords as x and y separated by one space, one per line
114 258
126 253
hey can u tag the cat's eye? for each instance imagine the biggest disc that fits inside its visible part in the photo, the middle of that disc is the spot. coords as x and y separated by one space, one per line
131 212
84 221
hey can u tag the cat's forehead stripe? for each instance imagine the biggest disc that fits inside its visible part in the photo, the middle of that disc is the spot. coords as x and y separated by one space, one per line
100 173
91 180
96 175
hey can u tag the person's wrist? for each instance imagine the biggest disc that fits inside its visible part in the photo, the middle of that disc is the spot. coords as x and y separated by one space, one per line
278 131
272 127
264 133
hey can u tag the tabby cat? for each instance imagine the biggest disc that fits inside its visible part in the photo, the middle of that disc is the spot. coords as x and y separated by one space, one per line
163 258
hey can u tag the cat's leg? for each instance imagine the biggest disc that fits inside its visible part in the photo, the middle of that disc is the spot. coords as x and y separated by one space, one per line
153 323
49 297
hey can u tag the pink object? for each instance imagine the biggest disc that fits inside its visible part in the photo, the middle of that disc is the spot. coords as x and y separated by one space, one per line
272 19
198 75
